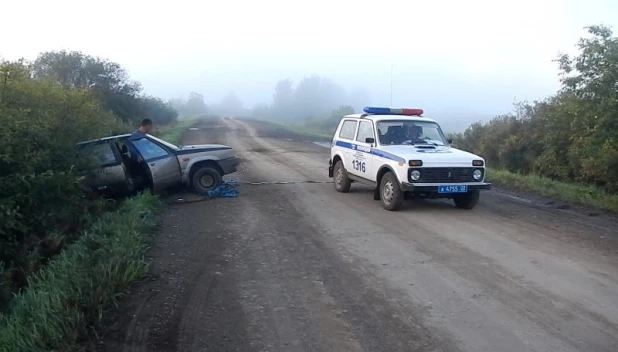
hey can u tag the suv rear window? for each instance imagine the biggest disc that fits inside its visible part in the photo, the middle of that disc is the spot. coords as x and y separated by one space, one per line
348 129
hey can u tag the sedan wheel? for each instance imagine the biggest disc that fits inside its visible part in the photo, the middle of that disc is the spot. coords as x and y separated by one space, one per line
205 179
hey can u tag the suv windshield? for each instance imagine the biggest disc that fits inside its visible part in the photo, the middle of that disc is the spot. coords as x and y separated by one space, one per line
406 132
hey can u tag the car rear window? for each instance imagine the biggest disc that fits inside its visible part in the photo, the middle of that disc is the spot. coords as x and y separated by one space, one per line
101 153
348 129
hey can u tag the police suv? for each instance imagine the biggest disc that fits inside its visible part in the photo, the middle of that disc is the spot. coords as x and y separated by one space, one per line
403 155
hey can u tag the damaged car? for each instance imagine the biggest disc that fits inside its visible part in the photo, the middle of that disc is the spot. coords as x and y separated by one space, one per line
125 164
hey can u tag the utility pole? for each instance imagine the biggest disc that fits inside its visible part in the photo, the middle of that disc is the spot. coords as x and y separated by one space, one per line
391 85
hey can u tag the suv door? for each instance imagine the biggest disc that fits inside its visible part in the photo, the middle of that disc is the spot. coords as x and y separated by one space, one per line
362 162
163 165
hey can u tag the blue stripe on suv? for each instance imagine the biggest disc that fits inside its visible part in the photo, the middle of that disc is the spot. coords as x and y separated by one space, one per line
374 151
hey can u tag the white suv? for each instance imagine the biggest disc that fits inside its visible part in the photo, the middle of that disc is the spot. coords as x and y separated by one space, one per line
402 154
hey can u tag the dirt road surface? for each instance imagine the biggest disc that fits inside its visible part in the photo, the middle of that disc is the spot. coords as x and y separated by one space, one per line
300 267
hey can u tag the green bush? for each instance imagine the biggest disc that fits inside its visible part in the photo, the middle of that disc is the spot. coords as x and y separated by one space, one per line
40 122
66 299
569 137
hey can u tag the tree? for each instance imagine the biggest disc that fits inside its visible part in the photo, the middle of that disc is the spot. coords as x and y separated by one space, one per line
317 96
307 97
230 104
179 104
40 123
332 95
592 78
107 79
359 98
283 99
342 111
261 110
158 111
570 136
330 125
195 104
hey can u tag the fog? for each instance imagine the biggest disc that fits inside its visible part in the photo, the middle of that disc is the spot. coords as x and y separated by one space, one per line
458 60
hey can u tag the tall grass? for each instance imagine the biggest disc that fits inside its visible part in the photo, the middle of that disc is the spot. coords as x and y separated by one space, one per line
569 192
65 301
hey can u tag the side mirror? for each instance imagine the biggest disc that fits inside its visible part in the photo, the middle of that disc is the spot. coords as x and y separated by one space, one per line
370 140
450 140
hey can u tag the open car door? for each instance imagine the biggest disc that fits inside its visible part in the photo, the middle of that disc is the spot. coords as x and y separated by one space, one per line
163 165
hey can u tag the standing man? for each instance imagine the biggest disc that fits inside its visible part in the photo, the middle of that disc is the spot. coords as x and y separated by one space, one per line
144 128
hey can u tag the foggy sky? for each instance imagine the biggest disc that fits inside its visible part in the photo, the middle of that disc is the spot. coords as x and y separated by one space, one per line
447 56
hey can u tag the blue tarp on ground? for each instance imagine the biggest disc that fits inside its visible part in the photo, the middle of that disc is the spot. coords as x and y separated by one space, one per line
226 190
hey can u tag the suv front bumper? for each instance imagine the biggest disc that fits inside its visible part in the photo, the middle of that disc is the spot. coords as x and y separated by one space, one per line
431 188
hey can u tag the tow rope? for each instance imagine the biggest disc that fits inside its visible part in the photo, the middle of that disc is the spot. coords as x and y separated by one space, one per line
254 183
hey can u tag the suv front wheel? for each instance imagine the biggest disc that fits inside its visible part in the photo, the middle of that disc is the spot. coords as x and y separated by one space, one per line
391 194
340 178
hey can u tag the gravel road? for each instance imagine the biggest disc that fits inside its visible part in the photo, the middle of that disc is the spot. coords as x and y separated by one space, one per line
300 267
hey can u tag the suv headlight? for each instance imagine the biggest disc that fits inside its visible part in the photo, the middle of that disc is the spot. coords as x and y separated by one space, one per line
477 174
415 175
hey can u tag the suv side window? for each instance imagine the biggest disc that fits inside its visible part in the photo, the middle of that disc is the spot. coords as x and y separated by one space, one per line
365 130
149 149
348 129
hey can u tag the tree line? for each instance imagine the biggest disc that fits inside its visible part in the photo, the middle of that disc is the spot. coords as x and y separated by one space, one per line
313 96
570 136
316 102
108 81
46 107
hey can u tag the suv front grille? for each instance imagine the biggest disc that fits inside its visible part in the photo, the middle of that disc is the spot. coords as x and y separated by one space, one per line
444 174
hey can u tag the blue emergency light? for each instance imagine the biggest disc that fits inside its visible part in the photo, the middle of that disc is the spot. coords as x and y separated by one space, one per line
390 111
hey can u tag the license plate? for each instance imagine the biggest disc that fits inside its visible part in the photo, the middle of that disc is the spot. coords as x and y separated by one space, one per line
453 189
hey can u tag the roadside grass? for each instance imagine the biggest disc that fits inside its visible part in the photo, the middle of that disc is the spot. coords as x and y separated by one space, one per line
173 133
568 192
64 303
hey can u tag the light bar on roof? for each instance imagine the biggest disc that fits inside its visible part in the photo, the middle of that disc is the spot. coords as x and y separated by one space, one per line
391 111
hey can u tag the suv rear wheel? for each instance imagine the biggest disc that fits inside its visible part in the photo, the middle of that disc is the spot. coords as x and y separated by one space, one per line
206 178
340 178
391 194
467 200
